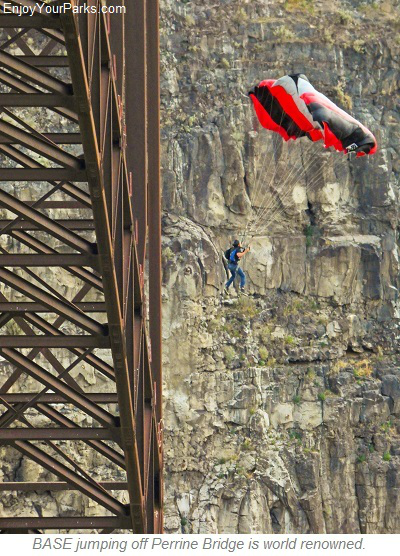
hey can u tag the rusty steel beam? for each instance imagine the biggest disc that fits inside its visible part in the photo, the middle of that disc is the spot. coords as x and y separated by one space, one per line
30 307
82 355
46 61
45 223
64 422
43 148
64 472
57 138
154 196
54 486
95 178
20 86
40 247
49 260
42 174
26 225
136 117
85 355
41 375
104 449
60 307
42 100
100 447
29 523
38 22
61 341
28 162
58 434
62 205
51 33
98 397
33 74
76 349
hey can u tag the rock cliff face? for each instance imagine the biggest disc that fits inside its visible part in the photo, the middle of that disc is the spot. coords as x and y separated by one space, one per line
282 410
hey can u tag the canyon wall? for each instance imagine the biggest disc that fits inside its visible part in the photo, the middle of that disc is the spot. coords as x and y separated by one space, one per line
281 408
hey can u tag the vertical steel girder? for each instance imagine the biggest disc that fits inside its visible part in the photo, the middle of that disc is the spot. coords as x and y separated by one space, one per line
80 220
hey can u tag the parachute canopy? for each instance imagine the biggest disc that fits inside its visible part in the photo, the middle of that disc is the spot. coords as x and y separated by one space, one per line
292 107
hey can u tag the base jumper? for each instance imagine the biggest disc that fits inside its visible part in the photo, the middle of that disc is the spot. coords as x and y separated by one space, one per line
234 254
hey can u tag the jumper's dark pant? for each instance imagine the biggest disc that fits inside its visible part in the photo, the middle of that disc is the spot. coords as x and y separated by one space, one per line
235 269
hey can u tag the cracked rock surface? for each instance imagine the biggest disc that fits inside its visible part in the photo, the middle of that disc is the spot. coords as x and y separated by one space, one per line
281 408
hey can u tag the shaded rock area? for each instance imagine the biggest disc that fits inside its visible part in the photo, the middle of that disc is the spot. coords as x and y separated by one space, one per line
281 408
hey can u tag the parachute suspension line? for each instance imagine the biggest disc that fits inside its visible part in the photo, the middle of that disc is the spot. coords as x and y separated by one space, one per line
289 186
314 116
243 236
255 201
256 173
309 187
277 190
258 177
264 209
285 186
276 204
258 183
278 208
273 216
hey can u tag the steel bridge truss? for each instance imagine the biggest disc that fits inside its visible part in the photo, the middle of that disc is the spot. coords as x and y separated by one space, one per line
80 385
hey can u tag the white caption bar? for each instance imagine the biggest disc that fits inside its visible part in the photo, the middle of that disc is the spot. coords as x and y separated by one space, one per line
210 545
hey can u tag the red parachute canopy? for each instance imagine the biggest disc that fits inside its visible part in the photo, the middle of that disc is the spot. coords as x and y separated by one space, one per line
292 107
